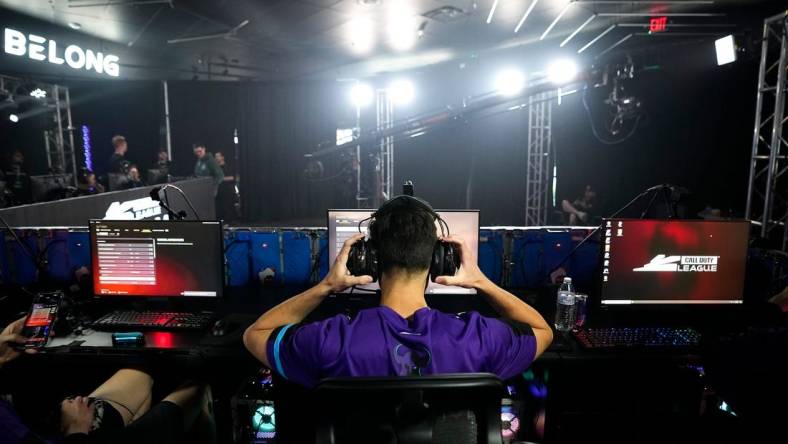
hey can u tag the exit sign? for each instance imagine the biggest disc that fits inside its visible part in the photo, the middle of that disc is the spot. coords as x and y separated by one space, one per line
658 24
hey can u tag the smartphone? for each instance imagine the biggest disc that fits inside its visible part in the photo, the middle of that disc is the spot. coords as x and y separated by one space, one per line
40 319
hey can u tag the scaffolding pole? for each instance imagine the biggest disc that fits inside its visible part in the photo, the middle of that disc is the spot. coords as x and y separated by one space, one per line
59 140
384 176
538 159
767 191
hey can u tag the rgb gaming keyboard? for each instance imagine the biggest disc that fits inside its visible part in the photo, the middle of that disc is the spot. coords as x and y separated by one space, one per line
154 320
641 337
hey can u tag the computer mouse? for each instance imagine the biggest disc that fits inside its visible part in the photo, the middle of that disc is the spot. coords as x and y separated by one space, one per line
219 328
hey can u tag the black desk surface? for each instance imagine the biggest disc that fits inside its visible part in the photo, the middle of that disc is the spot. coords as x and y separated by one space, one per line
580 380
241 307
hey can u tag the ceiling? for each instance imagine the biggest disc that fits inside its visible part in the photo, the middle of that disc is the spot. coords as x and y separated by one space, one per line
280 39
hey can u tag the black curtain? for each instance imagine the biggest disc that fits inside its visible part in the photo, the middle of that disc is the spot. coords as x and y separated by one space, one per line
132 109
279 123
202 113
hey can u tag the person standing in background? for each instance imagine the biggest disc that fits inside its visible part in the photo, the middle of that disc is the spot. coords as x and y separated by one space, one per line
227 196
17 181
206 166
117 162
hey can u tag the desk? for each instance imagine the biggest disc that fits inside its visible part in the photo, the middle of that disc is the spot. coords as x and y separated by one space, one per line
584 388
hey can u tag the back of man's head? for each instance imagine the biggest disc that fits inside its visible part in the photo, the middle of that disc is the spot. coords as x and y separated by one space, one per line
404 234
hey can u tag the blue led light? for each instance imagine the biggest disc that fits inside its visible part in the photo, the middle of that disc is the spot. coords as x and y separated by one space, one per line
87 150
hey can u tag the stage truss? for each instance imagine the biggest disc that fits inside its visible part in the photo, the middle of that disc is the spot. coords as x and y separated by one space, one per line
375 188
538 159
767 193
58 138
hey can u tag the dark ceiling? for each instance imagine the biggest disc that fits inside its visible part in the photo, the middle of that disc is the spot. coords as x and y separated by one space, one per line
280 39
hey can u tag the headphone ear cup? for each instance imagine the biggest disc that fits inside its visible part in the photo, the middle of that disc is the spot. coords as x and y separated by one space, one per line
436 264
363 259
451 259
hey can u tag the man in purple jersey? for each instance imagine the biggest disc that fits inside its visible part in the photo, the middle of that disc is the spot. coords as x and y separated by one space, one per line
403 336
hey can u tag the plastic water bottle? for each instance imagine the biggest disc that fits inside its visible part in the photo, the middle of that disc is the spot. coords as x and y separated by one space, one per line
565 306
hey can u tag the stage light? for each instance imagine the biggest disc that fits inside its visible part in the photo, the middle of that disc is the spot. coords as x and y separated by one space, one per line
562 71
401 37
74 25
509 82
361 95
402 28
726 50
38 93
13 117
361 33
401 92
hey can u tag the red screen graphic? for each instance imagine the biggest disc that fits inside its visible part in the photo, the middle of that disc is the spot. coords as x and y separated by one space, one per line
679 262
156 258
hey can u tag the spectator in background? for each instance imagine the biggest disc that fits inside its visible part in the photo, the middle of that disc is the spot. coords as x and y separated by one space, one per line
163 162
17 181
227 198
229 174
206 166
117 162
135 181
582 208
88 184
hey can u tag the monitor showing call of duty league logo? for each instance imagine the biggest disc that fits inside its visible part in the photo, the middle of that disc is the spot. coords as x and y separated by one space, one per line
673 261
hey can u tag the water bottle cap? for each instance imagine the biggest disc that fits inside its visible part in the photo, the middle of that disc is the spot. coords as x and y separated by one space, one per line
567 279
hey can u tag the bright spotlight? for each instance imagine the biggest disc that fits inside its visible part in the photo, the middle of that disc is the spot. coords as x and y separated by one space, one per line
401 92
13 117
726 50
509 82
562 71
402 33
361 34
361 95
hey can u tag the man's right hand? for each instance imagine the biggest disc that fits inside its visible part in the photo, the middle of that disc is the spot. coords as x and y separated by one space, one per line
469 275
339 278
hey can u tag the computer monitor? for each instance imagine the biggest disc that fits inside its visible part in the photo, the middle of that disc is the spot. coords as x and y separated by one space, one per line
343 224
152 258
673 261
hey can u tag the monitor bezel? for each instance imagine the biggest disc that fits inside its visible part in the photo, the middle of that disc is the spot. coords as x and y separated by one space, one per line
221 290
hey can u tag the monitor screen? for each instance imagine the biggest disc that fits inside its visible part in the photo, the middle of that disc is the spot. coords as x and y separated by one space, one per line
343 224
157 258
673 262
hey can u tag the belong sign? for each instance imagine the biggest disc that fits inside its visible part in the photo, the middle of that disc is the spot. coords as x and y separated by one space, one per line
42 49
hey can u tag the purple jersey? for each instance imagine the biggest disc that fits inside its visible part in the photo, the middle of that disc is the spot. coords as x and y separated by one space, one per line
379 342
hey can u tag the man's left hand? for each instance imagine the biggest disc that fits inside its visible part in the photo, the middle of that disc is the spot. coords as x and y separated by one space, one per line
11 334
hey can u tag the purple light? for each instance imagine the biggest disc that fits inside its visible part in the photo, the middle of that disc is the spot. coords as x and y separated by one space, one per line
87 151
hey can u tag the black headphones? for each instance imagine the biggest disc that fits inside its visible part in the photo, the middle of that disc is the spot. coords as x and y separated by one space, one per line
363 257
